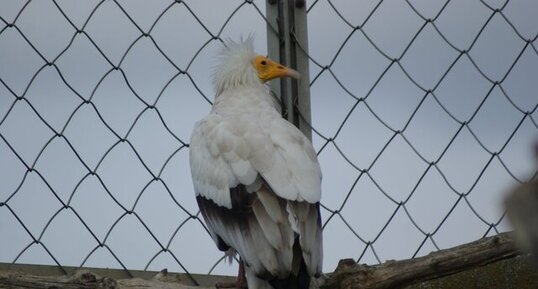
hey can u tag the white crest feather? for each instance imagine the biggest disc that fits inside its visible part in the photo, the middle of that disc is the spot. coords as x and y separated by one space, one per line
235 65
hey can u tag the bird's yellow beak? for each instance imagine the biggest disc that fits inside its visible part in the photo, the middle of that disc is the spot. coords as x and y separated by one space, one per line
268 69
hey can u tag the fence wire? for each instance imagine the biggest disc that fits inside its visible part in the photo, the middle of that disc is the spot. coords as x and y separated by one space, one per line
97 174
120 24
511 123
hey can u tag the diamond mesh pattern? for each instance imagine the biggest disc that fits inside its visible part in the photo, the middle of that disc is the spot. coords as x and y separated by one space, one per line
423 108
422 116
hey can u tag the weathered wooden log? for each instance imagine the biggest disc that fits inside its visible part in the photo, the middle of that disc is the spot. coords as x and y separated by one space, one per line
348 274
395 274
84 279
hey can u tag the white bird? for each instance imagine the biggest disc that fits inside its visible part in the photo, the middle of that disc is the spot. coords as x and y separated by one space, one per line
256 176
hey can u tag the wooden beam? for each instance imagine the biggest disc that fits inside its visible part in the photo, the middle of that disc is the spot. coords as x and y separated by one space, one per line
395 274
348 274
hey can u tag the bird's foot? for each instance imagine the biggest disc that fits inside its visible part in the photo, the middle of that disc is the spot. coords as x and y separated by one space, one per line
240 282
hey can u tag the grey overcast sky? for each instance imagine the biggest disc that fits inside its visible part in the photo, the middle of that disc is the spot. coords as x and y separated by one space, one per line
368 168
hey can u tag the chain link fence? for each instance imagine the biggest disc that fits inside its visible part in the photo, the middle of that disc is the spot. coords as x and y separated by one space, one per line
422 113
428 110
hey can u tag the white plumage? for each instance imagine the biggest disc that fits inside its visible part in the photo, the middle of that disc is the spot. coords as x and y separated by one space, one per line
256 176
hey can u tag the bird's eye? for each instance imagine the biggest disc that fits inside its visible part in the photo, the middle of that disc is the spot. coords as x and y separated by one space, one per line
263 62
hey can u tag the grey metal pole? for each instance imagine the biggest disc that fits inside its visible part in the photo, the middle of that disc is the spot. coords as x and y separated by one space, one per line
302 64
273 41
289 45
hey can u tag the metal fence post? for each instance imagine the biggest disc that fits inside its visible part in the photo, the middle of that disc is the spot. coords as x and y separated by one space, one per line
290 47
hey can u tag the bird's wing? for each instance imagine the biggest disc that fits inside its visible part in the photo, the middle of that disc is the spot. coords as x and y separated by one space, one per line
258 186
265 244
225 153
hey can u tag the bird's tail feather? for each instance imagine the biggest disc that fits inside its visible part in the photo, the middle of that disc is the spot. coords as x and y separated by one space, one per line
299 277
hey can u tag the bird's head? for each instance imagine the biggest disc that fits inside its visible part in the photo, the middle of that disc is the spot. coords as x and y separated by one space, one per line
241 66
267 69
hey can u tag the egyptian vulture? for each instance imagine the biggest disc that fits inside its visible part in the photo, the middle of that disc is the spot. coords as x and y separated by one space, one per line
256 176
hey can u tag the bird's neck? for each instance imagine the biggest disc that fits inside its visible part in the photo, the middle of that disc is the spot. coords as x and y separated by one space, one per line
229 79
248 98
